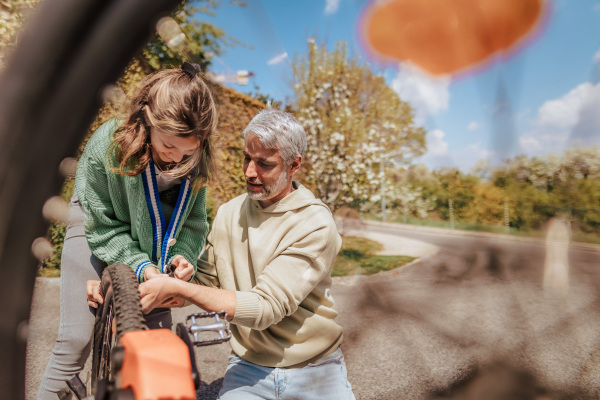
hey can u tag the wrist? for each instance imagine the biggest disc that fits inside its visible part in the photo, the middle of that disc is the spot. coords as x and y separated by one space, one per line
175 288
150 271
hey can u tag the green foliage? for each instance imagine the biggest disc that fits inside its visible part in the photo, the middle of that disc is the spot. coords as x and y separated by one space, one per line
13 16
266 99
204 40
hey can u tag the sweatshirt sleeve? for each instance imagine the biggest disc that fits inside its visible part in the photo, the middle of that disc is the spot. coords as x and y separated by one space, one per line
109 238
288 279
192 234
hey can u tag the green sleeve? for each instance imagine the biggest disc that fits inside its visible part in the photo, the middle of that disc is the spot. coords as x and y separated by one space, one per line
109 238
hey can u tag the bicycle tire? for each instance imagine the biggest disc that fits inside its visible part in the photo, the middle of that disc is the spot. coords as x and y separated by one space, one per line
120 313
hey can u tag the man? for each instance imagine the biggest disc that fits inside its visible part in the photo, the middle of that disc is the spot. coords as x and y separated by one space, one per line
268 265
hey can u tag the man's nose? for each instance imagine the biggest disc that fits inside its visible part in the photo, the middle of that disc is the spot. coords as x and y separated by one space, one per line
251 170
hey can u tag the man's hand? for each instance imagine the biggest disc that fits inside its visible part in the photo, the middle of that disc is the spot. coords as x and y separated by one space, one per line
184 268
94 297
163 292
159 293
152 272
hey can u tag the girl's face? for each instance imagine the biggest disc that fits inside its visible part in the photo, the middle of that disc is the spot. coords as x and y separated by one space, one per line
167 148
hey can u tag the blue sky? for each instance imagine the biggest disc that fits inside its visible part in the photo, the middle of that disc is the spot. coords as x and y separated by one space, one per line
551 85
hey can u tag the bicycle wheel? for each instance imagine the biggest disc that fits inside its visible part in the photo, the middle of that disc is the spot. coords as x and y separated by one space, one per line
120 313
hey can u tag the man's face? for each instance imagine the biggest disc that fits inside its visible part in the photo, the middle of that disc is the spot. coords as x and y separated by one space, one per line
268 180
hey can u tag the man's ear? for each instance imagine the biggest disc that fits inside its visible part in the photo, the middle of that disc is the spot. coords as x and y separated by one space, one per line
295 165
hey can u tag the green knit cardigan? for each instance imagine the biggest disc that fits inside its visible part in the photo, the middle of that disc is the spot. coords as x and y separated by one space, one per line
123 217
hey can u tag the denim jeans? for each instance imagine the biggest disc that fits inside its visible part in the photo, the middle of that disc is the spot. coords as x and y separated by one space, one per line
73 344
325 379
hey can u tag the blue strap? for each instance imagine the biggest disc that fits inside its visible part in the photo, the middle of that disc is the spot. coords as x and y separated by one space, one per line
182 201
154 208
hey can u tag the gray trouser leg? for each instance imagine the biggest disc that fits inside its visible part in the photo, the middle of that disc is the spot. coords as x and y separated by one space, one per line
76 328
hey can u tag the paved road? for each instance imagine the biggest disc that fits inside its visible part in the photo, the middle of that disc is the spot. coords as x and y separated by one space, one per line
474 322
469 321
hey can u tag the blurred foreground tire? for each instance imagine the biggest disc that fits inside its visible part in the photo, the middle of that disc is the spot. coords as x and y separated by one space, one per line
49 94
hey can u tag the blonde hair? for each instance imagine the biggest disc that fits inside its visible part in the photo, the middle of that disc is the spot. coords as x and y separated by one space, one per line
181 104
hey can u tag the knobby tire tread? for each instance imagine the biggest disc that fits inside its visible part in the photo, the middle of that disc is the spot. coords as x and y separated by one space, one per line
120 290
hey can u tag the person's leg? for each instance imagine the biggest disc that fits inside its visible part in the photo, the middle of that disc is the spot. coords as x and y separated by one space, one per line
325 379
73 343
159 318
247 381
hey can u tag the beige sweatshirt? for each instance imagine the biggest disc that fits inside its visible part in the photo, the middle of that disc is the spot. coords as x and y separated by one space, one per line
278 261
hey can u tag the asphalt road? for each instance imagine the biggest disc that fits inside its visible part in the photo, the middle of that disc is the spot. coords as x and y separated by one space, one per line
471 321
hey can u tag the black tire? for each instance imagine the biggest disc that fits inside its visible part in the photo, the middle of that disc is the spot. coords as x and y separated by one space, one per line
183 334
120 313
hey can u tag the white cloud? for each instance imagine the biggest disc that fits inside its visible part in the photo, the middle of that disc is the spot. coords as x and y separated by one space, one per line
437 150
561 122
428 95
331 6
473 126
587 130
597 57
470 155
277 59
436 145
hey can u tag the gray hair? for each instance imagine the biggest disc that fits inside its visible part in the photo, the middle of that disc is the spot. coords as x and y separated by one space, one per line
279 130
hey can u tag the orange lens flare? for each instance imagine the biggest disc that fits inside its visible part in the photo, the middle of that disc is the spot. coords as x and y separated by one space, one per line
448 36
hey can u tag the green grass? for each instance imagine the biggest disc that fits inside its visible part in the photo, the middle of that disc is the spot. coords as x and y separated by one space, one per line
357 257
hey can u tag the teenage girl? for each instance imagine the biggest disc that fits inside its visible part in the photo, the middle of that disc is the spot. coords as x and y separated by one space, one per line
140 200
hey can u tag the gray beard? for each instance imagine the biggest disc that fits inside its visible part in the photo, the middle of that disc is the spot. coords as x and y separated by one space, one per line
271 190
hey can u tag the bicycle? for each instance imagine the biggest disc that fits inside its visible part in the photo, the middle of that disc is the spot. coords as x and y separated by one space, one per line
127 357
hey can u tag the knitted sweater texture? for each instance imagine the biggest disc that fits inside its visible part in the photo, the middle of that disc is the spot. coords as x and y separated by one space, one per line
278 261
123 217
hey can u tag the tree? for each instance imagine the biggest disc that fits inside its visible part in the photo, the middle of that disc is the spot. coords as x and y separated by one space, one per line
353 121
202 42
409 200
540 188
13 14
456 193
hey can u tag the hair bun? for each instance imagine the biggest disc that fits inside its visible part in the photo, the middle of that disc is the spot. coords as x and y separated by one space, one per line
190 69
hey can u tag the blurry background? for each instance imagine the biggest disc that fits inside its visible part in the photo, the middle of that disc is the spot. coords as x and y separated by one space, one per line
501 145
504 144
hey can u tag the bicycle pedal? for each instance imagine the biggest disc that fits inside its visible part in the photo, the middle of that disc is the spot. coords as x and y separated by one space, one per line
220 327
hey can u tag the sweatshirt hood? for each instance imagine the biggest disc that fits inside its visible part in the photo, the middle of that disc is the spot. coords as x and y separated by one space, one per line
301 197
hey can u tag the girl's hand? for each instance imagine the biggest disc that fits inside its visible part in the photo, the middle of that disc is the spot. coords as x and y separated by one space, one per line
184 268
152 272
94 297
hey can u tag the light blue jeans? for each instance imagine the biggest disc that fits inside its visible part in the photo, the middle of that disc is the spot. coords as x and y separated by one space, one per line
326 379
76 328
